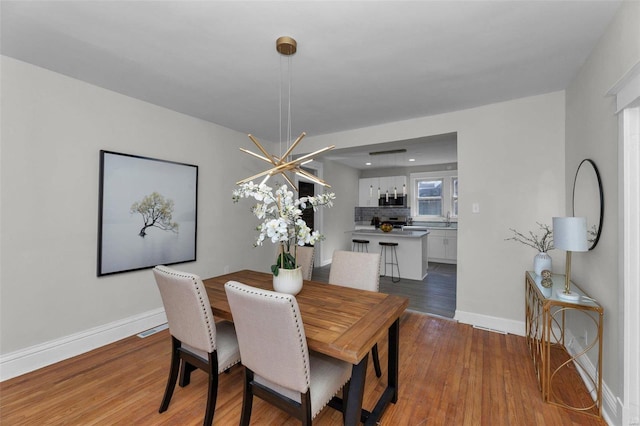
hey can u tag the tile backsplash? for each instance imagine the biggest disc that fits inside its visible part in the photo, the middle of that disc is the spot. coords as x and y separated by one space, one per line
365 214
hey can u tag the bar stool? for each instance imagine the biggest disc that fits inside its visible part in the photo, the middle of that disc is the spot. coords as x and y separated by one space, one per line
383 252
360 245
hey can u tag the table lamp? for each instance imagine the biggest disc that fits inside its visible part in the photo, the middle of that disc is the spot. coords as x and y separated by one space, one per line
570 234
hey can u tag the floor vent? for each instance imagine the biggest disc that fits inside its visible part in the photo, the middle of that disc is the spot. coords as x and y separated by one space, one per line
493 330
153 330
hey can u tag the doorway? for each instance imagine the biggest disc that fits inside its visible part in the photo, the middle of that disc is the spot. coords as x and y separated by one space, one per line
307 189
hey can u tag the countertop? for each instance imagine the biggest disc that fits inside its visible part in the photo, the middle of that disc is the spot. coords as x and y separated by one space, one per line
394 233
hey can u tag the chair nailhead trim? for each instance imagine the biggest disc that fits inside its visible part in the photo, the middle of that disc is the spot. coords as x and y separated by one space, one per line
194 279
290 300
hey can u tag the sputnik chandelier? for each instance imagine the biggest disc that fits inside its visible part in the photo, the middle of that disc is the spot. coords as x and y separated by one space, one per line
282 164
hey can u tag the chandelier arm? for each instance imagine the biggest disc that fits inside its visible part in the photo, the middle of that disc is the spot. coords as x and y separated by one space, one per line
258 156
255 141
291 148
274 170
313 154
311 177
250 178
289 181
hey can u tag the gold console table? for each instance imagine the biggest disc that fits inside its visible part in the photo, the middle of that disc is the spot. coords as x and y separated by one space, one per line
546 314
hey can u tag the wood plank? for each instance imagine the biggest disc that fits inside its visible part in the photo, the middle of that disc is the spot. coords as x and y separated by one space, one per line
338 321
450 374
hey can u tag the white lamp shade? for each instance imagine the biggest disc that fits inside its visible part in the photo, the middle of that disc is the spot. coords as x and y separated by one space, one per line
570 233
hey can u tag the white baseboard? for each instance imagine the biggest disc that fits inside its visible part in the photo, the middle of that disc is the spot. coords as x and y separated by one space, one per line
609 400
29 359
493 323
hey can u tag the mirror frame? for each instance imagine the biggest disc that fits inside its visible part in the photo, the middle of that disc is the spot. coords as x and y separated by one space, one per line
588 162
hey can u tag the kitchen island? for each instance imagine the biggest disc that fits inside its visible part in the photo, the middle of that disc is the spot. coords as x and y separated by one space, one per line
412 249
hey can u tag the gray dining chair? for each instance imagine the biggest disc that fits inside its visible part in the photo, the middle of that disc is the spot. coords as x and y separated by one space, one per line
304 258
357 270
197 341
273 349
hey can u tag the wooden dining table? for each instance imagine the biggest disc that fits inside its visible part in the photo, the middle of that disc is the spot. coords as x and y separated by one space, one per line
340 322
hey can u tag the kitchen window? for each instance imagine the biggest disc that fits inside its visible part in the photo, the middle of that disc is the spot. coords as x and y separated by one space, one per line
434 195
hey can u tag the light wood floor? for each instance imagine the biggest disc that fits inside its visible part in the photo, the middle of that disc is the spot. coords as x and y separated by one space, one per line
450 374
435 295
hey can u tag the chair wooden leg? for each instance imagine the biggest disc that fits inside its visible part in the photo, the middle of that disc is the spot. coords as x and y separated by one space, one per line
376 360
305 408
185 373
212 394
173 375
247 398
345 395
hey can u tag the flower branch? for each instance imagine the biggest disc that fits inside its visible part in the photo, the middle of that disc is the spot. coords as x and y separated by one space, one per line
543 243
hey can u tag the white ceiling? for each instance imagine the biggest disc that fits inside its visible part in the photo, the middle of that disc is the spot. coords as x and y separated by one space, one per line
359 63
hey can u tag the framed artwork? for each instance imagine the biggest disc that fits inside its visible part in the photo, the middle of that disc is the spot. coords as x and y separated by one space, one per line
147 213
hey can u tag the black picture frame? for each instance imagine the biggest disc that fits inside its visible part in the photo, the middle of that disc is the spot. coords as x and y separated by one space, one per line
148 213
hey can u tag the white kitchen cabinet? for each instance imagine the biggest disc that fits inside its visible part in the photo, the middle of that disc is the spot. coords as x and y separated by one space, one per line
368 192
443 245
368 189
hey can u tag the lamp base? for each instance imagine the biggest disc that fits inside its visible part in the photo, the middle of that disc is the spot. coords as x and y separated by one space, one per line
571 296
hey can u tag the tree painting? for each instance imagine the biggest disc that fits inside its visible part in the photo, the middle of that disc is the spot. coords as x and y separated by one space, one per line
155 211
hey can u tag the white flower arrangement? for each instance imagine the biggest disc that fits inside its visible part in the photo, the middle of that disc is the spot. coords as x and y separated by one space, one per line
282 219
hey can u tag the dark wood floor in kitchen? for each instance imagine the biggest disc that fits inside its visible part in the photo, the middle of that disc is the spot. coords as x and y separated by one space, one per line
435 295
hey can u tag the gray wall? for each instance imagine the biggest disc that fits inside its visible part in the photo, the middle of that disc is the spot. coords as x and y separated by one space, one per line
511 162
53 128
592 132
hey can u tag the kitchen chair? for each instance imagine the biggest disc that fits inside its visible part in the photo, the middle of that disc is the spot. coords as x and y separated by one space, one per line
304 257
357 270
197 341
273 348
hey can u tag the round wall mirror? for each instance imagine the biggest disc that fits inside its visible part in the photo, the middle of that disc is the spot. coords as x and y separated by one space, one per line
588 199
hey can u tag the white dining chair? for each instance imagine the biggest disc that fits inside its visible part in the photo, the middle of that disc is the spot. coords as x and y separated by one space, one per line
357 270
273 349
304 258
197 341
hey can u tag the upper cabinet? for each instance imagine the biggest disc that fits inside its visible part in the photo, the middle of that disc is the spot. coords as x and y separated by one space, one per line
369 187
368 192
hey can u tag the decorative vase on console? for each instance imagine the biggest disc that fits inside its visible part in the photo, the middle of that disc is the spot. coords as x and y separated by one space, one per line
541 262
282 223
543 243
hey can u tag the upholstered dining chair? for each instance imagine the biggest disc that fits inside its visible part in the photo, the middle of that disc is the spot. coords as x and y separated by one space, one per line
197 341
304 257
361 271
273 349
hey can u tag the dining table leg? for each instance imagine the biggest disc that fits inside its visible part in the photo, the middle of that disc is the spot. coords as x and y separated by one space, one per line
353 409
390 394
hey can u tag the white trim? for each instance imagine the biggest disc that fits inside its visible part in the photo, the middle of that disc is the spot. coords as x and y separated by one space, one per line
627 89
630 240
493 323
32 358
586 369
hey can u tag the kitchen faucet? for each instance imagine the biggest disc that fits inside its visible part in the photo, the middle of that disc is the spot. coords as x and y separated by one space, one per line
448 219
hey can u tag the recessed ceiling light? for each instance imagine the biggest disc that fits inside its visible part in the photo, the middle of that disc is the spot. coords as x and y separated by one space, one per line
412 159
367 164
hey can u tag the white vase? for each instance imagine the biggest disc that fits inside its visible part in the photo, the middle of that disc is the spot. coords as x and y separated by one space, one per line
541 261
288 281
